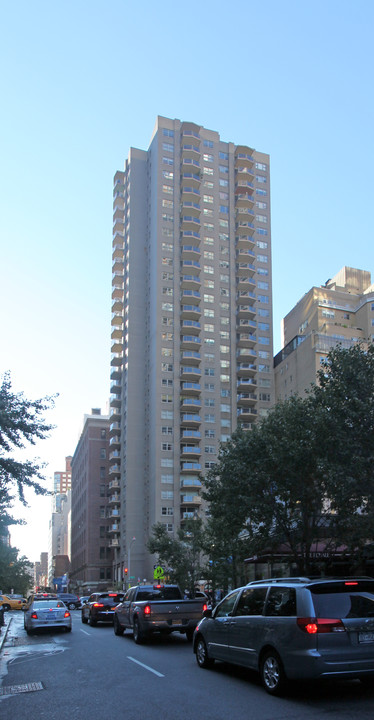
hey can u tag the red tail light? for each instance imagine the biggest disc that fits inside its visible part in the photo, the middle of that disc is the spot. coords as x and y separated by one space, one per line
67 614
147 610
98 605
205 607
320 625
34 616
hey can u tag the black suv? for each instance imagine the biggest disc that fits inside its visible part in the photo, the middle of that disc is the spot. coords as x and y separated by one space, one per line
100 607
72 601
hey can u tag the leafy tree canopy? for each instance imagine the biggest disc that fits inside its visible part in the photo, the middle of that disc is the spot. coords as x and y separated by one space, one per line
14 572
21 423
182 556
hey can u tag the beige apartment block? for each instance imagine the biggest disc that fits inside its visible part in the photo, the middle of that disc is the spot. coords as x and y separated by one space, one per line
339 312
191 324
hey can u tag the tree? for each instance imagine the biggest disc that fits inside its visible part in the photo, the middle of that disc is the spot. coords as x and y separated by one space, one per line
21 422
181 556
14 571
305 472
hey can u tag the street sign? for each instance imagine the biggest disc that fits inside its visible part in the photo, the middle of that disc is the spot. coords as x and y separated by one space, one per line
158 573
132 577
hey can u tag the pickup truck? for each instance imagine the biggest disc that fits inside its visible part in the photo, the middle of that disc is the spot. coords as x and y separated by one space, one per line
148 609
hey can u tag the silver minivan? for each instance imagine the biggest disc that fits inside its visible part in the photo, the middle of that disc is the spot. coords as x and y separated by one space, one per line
293 628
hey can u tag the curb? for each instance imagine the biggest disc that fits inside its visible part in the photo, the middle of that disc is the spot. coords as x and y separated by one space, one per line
3 635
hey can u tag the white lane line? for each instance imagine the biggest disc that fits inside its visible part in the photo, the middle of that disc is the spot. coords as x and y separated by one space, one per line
85 632
145 666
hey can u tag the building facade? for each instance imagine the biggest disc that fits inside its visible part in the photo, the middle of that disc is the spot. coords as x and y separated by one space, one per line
340 311
91 515
59 523
191 324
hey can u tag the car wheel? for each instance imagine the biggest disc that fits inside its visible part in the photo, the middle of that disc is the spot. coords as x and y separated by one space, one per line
6 608
272 674
91 621
72 606
118 629
84 620
202 657
139 636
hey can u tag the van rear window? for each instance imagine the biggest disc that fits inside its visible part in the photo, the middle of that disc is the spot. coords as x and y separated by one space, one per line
349 602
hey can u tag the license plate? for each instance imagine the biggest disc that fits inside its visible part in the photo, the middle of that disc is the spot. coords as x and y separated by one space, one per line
175 622
366 637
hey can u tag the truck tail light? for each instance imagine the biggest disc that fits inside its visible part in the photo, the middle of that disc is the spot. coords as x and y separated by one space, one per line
147 610
320 625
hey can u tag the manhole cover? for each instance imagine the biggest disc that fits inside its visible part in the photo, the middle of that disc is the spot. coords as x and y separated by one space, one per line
17 689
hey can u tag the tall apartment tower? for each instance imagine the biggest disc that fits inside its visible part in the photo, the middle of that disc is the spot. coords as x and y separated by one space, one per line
191 324
339 312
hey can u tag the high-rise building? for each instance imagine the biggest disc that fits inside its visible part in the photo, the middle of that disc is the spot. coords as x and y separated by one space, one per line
91 515
191 323
339 312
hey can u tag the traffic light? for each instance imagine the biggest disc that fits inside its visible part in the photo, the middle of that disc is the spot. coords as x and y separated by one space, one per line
125 571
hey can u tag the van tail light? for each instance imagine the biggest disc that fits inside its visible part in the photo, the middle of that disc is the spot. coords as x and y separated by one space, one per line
320 625
147 610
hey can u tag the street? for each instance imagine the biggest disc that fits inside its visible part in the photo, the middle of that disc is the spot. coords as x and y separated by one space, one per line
91 672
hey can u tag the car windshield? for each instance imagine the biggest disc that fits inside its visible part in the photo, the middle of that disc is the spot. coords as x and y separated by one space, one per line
111 598
48 604
159 594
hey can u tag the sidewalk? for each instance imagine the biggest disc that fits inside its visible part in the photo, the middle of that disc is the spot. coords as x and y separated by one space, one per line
4 630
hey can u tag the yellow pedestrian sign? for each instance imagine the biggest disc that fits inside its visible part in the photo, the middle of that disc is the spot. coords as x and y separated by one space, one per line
158 573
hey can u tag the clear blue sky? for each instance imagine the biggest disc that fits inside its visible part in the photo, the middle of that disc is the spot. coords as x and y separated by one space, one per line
83 81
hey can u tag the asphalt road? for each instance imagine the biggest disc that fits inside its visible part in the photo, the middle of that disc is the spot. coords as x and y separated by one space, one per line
92 673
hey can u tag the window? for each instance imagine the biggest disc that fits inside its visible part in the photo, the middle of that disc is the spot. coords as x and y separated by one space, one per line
262 312
167 479
168 161
207 171
102 490
261 166
167 382
224 209
264 354
167 336
167 306
166 398
167 321
209 387
207 212
208 313
261 205
208 158
226 606
225 408
102 453
223 156
166 352
261 231
264 397
210 433
167 367
102 511
209 464
166 462
208 198
209 298
209 284
207 143
261 244
263 298
103 433
261 179
167 414
209 328
208 255
223 168
168 174
281 602
223 183
328 313
209 371
209 418
209 402
264 368
167 494
251 601
167 189
263 259
102 473
167 203
262 285
224 349
167 511
169 147
167 133
167 218
263 326
260 191
166 430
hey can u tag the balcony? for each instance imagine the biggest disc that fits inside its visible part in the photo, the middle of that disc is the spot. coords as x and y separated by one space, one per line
190 388
244 199
191 179
192 296
116 388
246 383
190 481
188 342
190 281
245 311
244 173
115 373
189 372
190 403
189 451
194 434
114 484
246 340
191 326
246 414
245 369
245 269
190 420
190 192
246 353
190 312
113 514
114 428
190 499
190 150
243 324
117 345
119 224
190 466
190 252
244 155
244 227
115 415
114 542
114 499
115 455
243 295
114 470
245 241
190 207
115 441
114 528
191 356
245 399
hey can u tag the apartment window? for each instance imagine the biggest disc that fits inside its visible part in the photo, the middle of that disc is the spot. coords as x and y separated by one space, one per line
209 387
225 438
209 418
167 174
264 354
261 191
225 423
264 382
167 218
167 479
169 527
166 446
102 473
261 166
167 276
208 198
209 298
225 363
167 494
224 291
167 306
167 246
225 393
102 553
209 328
263 298
167 367
102 511
167 414
208 255
263 312
167 189
207 143
208 158
223 208
225 321
264 340
209 402
102 453
263 259
210 433
223 223
167 133
225 378
262 285
208 171
167 321
224 278
209 371
103 433
207 212
223 168
224 349
166 462
209 184
166 352
102 490
167 382
224 306
167 336
166 430
209 284
166 398
209 227
264 397
224 264
168 233
261 205
223 183
225 408
263 326
167 161
209 464
208 313
168 147
264 368
209 341
223 156
167 511
209 356
223 196
224 335
208 241
167 203
328 313
262 244
102 531
261 179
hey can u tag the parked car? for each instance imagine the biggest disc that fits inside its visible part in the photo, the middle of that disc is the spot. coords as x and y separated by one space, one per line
84 598
72 601
47 613
294 628
12 602
100 607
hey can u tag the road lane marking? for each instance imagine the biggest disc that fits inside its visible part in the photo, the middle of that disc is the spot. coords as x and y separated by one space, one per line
145 666
85 632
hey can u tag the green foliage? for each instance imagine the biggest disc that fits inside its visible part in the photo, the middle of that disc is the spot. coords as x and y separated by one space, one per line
305 472
14 572
182 556
21 422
